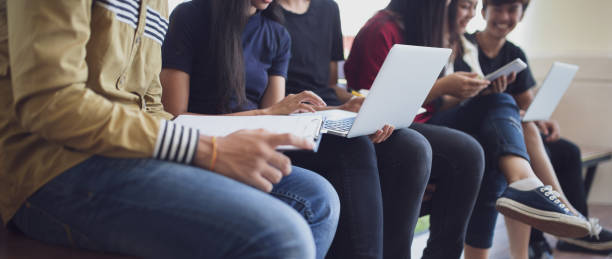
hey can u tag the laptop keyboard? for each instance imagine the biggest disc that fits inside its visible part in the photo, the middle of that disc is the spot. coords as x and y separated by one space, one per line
342 125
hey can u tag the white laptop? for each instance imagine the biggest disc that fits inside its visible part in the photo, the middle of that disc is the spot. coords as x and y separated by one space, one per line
556 83
401 86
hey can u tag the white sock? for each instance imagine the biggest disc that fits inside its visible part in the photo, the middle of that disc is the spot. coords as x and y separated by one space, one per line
527 184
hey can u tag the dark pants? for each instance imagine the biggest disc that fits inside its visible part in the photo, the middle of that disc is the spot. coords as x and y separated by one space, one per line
358 169
494 121
457 168
567 162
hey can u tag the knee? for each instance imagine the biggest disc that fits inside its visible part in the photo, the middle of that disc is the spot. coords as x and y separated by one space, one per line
500 98
466 153
409 142
284 235
322 198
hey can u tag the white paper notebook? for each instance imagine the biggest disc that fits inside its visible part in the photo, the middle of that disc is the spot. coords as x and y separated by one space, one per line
305 126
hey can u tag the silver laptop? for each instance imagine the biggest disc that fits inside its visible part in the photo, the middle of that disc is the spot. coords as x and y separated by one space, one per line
556 83
401 86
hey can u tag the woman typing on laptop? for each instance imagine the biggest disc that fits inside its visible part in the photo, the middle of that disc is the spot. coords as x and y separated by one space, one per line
241 67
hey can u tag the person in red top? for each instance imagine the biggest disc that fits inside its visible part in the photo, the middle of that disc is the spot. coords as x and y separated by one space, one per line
457 157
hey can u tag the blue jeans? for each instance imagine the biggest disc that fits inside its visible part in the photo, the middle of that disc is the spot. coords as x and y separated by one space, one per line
156 209
495 122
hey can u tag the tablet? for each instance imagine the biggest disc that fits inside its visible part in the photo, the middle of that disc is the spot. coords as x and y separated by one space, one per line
516 65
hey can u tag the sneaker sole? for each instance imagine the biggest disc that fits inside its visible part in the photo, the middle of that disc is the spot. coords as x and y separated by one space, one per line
550 222
602 246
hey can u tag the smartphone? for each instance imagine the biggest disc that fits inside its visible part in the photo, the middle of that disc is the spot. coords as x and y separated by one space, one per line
516 66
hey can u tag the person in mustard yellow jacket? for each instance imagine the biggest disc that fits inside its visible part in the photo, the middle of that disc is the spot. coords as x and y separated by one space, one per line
90 159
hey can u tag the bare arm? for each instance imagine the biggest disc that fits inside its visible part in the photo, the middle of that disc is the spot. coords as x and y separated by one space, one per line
524 99
175 95
274 93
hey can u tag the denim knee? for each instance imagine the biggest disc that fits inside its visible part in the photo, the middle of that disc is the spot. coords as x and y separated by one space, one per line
286 235
501 132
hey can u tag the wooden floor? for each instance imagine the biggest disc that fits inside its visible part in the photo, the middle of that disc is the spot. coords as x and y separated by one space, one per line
501 249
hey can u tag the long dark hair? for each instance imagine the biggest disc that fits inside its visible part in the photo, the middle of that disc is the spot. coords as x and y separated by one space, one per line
227 21
423 21
454 39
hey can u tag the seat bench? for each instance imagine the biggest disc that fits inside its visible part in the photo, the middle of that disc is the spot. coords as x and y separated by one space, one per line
591 157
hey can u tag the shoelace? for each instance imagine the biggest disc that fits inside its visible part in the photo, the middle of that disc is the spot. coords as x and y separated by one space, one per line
595 228
554 197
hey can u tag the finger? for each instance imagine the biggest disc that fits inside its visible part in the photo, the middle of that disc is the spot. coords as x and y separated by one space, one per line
468 74
272 174
545 131
502 84
279 161
275 140
511 78
500 88
259 182
478 82
306 107
554 136
312 98
389 130
376 136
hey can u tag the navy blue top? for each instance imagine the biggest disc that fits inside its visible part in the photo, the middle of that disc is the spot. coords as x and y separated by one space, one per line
509 52
266 49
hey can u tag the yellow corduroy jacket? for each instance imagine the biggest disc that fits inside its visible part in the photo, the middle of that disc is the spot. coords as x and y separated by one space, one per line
80 78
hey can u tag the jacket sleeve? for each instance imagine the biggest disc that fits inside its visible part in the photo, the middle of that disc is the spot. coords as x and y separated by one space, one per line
47 51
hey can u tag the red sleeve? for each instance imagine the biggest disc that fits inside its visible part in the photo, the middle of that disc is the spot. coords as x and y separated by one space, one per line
369 51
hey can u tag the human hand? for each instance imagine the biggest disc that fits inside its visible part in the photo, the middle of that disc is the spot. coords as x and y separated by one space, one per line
500 84
305 101
382 134
550 129
462 85
249 156
353 105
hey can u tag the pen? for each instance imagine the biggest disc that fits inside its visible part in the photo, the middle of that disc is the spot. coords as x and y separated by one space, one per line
355 93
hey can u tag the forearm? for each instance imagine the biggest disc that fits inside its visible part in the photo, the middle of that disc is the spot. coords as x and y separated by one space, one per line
434 93
342 94
524 99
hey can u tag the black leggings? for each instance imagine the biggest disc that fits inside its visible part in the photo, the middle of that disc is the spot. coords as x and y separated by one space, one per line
357 169
457 170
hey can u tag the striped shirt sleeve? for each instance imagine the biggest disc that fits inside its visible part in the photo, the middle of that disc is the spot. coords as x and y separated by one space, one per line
176 143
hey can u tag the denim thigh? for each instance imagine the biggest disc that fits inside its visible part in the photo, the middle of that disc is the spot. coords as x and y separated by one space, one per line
156 209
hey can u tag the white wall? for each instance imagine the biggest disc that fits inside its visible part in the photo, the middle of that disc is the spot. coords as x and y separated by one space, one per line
577 32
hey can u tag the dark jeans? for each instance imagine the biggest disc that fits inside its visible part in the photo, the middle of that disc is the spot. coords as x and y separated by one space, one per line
567 162
358 169
457 168
155 209
494 121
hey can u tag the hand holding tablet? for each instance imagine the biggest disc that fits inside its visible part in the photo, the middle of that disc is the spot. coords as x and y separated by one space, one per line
516 66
